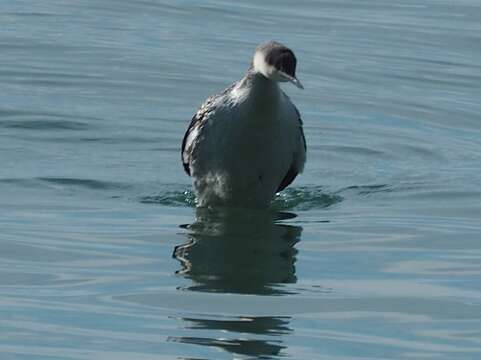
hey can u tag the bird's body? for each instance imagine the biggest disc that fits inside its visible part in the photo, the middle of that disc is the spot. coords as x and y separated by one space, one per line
244 144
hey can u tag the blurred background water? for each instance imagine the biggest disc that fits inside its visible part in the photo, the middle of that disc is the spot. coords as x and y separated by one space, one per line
373 253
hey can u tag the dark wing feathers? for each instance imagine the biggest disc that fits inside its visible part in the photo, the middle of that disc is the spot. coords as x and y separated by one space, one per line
185 152
300 127
197 122
199 119
293 172
288 179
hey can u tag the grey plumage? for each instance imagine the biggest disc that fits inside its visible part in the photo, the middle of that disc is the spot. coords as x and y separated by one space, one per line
220 148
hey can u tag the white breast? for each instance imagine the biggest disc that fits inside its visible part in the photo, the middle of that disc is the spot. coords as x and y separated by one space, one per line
245 149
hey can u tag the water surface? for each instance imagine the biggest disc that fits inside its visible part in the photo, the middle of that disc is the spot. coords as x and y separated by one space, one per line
373 253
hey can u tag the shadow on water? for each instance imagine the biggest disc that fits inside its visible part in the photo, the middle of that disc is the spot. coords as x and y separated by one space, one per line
239 252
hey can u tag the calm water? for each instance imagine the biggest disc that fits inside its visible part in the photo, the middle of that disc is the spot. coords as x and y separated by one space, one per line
374 253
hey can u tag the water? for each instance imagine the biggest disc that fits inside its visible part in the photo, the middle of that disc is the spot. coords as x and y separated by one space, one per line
373 253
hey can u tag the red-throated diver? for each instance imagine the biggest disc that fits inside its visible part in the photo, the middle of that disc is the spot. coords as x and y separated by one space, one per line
246 143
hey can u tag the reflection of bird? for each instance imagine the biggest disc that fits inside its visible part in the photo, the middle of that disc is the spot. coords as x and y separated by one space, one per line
246 143
236 252
247 341
233 251
254 349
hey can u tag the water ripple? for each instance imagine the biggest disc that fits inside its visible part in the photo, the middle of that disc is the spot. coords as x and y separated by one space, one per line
171 198
44 124
294 198
83 183
305 198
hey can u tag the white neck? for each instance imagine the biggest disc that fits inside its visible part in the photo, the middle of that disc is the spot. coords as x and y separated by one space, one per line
261 66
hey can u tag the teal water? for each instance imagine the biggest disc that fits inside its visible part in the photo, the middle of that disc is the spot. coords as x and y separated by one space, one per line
373 253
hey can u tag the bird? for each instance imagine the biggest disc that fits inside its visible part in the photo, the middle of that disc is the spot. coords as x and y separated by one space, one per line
246 143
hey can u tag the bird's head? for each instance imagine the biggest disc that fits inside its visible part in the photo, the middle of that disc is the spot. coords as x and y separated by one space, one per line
276 62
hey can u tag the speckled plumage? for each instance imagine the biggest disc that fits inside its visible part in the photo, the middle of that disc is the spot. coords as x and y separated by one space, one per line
246 143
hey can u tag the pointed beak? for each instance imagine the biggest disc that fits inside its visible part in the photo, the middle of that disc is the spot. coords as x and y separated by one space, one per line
292 79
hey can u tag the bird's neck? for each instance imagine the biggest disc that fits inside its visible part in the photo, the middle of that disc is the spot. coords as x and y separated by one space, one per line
261 88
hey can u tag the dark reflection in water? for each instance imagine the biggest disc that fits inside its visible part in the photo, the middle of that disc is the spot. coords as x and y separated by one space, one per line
258 348
234 251
237 252
244 327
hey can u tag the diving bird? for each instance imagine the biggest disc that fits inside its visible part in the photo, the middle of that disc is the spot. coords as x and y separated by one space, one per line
246 143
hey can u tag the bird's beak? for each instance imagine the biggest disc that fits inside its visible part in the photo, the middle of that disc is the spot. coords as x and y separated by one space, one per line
292 79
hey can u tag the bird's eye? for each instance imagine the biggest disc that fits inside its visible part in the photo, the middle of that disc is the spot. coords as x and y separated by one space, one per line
286 63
